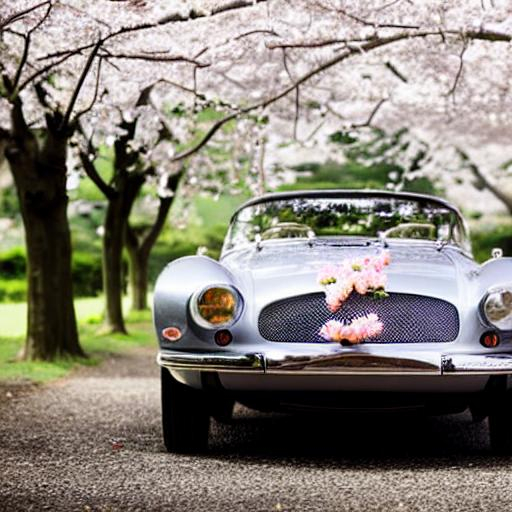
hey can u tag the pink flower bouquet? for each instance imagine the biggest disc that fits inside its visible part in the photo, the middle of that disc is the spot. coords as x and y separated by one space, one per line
363 275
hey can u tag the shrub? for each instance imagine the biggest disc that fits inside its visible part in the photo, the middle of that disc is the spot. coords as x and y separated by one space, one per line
13 290
86 273
13 263
9 206
176 244
484 241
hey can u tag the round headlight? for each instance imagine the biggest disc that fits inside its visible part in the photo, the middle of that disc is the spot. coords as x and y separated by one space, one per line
216 306
497 308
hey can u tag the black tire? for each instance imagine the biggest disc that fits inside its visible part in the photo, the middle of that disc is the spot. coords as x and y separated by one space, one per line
478 412
185 417
221 408
500 423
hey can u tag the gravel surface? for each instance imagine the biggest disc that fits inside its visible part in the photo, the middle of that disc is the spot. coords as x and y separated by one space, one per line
93 442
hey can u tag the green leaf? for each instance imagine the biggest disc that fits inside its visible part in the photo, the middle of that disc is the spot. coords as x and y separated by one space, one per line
342 137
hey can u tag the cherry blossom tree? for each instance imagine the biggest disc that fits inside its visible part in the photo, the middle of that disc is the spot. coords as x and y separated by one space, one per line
310 66
140 151
46 90
144 141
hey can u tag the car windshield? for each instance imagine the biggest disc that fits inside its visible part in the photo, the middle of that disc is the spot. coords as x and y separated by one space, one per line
368 217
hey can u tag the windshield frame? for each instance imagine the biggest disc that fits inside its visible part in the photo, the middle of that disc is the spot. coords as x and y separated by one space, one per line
422 199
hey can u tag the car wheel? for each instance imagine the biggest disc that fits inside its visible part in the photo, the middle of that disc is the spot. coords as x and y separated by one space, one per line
222 408
185 417
500 423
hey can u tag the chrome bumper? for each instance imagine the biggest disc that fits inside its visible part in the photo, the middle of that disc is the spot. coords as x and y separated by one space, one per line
346 362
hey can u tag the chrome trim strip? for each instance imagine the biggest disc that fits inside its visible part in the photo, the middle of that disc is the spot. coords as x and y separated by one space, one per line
212 361
348 362
354 363
482 364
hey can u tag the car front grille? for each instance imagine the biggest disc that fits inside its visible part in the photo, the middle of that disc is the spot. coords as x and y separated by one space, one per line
407 318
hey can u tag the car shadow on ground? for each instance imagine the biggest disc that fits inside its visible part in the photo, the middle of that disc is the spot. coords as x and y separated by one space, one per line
363 440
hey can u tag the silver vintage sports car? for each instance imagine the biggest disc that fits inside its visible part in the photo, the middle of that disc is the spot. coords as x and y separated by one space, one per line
337 300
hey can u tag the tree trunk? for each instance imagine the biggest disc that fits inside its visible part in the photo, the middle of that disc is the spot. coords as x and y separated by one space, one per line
52 329
120 202
40 178
139 246
138 278
113 265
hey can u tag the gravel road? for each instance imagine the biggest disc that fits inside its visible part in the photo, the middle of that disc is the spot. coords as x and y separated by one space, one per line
93 443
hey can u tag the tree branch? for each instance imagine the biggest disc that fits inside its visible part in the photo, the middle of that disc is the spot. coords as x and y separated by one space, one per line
314 44
209 134
19 124
485 181
43 18
47 68
163 210
154 58
192 14
395 71
81 80
41 95
23 60
482 35
371 44
95 95
89 167
376 24
373 113
21 14
452 89
93 174
297 111
257 31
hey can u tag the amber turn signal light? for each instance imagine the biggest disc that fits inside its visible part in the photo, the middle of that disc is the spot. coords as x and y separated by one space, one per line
223 338
490 339
171 333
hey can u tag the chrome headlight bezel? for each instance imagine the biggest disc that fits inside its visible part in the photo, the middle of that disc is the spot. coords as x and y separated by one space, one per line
205 324
494 300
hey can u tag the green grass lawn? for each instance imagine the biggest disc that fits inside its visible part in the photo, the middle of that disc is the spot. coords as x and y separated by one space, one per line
96 345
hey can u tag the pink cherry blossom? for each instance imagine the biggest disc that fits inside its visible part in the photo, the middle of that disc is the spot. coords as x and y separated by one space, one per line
360 274
327 274
360 329
336 294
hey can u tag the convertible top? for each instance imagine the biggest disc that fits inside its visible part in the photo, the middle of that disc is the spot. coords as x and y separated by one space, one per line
349 194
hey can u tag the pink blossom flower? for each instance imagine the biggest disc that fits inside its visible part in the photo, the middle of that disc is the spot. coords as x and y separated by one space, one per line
360 274
376 280
331 331
361 284
327 275
336 294
360 329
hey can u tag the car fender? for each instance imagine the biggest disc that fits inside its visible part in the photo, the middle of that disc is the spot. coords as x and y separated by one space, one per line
495 272
179 280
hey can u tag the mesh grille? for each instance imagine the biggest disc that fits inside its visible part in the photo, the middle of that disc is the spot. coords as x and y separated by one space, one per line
407 318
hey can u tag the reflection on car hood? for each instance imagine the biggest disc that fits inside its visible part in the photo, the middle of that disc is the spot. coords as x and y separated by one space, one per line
286 268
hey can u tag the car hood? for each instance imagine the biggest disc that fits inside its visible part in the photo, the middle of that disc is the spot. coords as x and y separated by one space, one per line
285 269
